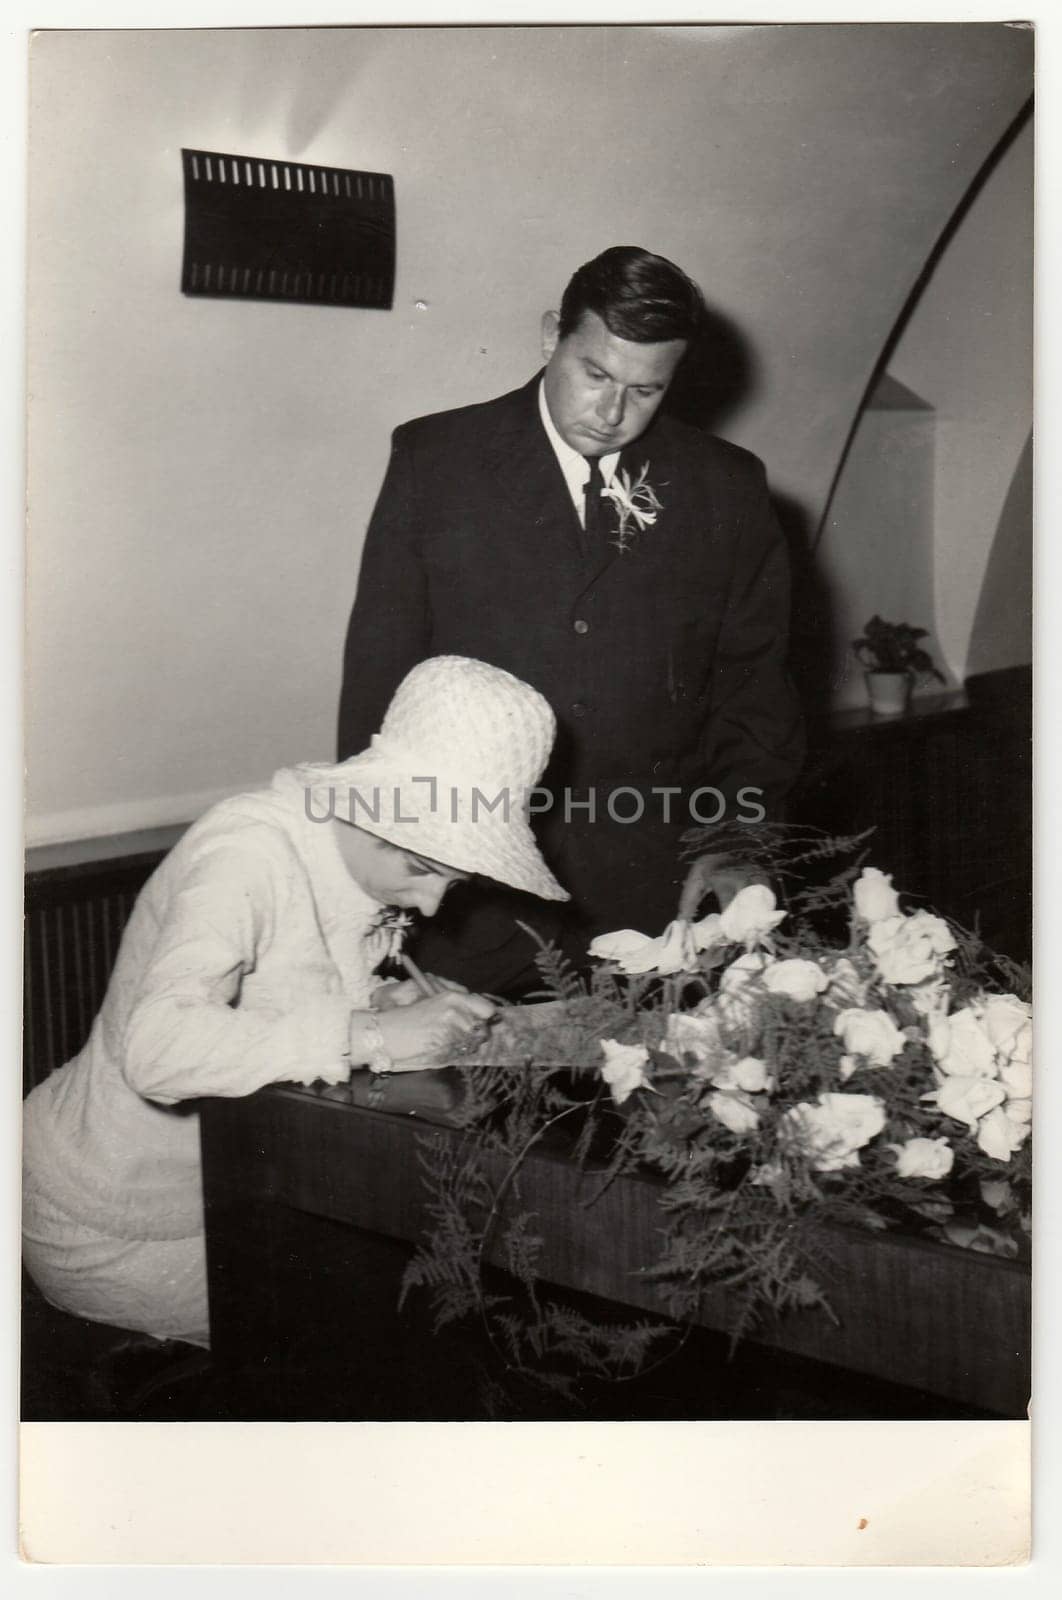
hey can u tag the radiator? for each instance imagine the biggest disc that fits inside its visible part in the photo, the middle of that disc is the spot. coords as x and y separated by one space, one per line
73 927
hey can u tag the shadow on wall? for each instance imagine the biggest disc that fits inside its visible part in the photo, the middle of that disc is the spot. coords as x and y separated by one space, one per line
721 373
1002 629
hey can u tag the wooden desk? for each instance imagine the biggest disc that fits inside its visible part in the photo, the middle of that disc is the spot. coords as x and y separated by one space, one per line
290 1174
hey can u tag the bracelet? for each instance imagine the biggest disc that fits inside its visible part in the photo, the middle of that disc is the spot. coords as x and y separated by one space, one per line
375 1052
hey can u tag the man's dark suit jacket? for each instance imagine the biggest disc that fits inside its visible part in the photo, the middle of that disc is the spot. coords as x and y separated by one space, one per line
665 664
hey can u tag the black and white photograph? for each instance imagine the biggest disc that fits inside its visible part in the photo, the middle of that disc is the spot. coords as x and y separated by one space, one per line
528 745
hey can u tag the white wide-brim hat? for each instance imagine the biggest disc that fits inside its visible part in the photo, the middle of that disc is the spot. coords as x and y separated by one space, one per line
450 773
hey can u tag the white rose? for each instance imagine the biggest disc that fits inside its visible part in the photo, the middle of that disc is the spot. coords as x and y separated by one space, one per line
746 1073
835 1128
930 998
967 1099
625 945
624 1068
693 1034
998 1136
934 930
923 1158
751 1075
1019 1111
872 1034
751 915
799 980
960 1045
709 932
846 985
735 1002
678 949
1008 1023
672 951
1016 1077
875 898
741 972
733 1111
910 949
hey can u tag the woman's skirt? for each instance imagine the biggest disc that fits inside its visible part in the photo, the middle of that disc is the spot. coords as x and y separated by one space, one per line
155 1286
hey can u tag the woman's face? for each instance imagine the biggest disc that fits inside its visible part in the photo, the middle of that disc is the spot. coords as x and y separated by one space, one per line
393 876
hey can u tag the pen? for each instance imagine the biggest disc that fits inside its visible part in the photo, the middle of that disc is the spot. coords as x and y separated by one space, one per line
475 1036
422 981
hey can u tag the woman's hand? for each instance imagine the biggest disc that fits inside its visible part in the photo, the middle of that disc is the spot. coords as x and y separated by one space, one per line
407 993
721 875
425 1032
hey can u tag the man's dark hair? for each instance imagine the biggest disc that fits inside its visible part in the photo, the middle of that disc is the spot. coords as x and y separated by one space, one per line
638 296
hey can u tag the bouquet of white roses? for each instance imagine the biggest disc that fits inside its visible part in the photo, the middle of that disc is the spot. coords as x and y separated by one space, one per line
861 1082
777 1079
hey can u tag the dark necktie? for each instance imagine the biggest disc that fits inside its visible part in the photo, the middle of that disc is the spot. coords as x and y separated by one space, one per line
595 511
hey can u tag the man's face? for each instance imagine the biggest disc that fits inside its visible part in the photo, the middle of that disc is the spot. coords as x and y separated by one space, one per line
603 391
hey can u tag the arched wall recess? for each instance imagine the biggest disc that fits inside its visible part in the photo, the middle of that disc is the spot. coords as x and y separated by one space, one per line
916 503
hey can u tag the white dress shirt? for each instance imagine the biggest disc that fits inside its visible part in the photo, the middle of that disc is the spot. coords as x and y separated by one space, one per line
575 467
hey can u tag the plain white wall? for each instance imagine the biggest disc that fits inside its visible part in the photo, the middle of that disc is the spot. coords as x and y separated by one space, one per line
201 472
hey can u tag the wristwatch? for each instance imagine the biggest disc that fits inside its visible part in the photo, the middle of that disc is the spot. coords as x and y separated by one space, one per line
373 1049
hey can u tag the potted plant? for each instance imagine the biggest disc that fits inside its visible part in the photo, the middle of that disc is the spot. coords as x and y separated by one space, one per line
892 657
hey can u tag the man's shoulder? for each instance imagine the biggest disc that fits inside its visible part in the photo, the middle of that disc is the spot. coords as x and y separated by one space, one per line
709 450
468 421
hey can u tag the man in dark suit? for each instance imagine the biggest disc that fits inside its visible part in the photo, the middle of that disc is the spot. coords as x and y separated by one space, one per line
629 567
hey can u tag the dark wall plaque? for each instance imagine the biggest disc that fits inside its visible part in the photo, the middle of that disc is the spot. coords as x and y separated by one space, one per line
282 230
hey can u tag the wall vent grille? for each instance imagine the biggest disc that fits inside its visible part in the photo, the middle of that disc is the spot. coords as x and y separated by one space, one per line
259 229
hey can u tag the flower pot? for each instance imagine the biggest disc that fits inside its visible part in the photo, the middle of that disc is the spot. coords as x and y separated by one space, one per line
889 692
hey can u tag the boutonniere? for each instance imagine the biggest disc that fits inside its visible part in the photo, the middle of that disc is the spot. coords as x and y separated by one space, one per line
394 924
636 505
